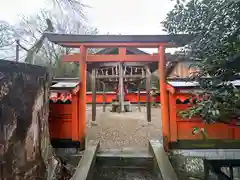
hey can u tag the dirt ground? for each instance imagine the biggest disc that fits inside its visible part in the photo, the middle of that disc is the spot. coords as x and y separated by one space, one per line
121 130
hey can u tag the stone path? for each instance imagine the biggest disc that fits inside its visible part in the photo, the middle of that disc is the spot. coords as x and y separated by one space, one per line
121 130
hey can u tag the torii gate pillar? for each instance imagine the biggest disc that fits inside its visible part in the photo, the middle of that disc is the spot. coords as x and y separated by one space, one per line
82 94
163 97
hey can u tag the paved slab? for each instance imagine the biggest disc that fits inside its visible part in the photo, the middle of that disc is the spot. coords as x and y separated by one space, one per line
84 170
162 162
211 154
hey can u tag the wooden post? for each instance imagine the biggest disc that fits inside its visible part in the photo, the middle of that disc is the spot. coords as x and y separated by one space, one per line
139 103
93 94
121 90
173 118
17 49
206 169
75 117
104 97
82 95
231 172
164 98
148 88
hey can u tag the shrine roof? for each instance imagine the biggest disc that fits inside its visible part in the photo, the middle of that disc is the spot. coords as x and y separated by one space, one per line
183 84
193 84
63 39
65 79
65 85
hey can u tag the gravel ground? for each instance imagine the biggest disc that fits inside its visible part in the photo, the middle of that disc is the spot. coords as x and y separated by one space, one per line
121 130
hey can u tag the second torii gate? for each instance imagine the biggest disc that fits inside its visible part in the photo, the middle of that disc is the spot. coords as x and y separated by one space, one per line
83 42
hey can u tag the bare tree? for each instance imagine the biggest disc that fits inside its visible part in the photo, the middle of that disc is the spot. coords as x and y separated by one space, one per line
32 28
6 39
77 6
6 34
38 44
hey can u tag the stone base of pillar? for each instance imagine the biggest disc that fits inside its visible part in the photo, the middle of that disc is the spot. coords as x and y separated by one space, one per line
94 123
116 107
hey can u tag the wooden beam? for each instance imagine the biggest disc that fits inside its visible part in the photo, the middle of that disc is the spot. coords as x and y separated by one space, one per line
116 76
111 58
116 81
122 50
163 97
107 45
148 89
93 94
170 89
71 57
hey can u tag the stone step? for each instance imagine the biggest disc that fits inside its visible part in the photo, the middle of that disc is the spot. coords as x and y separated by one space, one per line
126 159
125 174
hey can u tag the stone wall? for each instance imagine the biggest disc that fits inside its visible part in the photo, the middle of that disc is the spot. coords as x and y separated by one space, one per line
188 164
25 150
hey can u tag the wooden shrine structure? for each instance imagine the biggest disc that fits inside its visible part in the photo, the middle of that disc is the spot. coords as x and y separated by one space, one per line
63 112
122 42
122 75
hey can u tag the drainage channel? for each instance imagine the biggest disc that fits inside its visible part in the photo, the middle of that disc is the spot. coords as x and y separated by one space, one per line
126 164
151 164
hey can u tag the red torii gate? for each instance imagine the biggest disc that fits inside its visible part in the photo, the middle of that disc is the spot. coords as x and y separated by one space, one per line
121 41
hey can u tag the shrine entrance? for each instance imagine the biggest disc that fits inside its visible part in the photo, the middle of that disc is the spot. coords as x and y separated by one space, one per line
89 62
123 79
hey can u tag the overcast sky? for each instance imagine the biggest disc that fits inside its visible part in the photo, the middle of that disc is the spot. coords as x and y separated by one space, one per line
129 16
113 16
109 16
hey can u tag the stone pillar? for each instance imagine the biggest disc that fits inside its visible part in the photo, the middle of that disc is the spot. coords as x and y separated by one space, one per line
148 88
104 97
121 89
139 103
